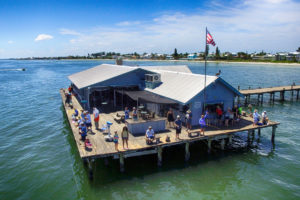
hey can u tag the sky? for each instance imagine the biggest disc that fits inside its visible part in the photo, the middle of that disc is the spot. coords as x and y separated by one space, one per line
78 27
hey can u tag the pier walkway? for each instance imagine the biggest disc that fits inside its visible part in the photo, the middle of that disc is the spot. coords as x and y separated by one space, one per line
271 91
137 144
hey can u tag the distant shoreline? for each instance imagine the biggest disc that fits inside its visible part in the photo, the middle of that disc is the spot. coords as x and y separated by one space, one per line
221 61
192 61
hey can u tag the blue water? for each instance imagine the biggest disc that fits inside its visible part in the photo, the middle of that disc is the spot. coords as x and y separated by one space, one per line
39 159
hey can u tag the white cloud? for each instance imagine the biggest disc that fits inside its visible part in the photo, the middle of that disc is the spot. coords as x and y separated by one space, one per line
10 41
43 37
128 23
269 25
65 31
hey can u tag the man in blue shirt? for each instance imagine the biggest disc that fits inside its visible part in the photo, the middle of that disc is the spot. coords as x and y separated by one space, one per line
150 136
83 131
88 121
126 112
178 126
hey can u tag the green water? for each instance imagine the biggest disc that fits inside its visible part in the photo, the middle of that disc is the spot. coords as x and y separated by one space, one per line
39 159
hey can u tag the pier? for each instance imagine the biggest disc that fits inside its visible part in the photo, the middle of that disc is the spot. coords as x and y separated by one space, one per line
137 145
259 92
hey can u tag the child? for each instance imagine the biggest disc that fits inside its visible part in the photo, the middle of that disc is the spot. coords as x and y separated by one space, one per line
116 140
202 124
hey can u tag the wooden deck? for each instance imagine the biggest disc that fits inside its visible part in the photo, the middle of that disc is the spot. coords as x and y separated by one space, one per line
270 90
137 145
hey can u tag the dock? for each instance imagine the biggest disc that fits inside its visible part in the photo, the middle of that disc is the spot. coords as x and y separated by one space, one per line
137 144
293 89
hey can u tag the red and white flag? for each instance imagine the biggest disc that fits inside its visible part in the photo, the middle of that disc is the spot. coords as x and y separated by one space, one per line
209 39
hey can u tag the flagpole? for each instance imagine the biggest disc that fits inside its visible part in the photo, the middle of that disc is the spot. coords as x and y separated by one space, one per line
204 96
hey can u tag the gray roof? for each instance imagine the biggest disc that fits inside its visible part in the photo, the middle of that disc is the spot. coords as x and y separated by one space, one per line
179 86
175 68
176 85
98 74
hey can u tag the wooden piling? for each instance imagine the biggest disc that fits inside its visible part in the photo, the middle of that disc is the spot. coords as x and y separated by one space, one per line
297 97
159 156
122 167
270 97
282 95
258 132
273 97
187 151
292 93
209 145
249 133
258 99
91 174
230 139
273 133
262 98
223 144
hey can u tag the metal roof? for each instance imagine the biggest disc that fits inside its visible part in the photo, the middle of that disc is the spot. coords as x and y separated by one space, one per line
98 74
175 68
176 85
180 86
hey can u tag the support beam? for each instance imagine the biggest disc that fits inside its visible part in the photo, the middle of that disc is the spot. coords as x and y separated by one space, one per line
262 99
249 133
258 96
91 174
122 167
273 133
223 144
159 156
106 161
270 97
297 97
258 132
252 135
187 151
282 95
273 97
209 145
230 139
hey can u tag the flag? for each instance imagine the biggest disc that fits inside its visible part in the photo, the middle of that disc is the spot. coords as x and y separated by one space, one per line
209 39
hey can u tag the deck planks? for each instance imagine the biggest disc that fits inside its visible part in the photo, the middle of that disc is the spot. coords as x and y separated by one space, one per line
101 148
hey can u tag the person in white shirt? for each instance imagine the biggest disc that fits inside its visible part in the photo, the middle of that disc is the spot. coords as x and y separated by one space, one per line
150 136
265 119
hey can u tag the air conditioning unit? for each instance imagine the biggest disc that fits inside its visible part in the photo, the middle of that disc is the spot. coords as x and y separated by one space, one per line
154 78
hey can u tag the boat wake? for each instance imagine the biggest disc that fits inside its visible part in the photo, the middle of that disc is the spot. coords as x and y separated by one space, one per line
18 69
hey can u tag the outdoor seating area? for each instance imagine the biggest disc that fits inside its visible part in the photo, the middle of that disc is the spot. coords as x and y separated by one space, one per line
99 145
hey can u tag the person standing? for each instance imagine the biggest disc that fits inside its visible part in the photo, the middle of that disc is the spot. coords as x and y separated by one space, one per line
125 136
265 119
126 113
96 117
134 114
256 118
178 126
83 131
170 118
188 117
88 120
219 115
202 124
116 140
